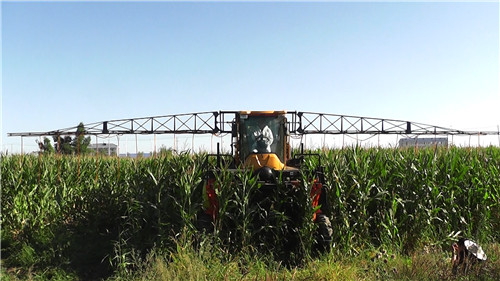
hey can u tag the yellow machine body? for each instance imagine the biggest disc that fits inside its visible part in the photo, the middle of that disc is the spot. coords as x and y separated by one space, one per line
257 161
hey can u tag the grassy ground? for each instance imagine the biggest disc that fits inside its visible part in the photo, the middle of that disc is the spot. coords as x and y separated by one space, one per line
380 264
429 263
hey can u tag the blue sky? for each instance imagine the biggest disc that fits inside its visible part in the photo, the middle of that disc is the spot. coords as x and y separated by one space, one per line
65 63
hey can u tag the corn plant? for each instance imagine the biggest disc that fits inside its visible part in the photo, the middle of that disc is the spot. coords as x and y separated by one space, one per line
98 214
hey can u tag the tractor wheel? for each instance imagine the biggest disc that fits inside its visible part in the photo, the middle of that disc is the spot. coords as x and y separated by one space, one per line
204 223
325 232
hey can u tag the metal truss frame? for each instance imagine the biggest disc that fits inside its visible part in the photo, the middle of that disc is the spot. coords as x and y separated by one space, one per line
322 123
220 122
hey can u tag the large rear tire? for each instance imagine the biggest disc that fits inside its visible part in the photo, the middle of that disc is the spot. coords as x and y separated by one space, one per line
324 234
204 223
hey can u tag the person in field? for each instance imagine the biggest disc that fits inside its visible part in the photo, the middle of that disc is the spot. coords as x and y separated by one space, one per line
465 254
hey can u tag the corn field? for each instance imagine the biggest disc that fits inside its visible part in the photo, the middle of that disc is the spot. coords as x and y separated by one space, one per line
99 215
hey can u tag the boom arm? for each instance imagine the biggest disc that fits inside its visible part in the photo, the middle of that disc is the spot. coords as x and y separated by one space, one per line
215 122
189 123
321 123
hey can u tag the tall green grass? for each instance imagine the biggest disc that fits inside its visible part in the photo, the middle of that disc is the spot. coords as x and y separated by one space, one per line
401 196
96 216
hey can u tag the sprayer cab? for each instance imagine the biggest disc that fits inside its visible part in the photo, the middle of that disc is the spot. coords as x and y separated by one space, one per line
261 139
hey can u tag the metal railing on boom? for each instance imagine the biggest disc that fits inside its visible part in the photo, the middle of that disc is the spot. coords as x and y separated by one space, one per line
218 122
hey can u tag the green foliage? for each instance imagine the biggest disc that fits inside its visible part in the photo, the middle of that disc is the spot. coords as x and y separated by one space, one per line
399 196
68 145
62 144
80 143
95 216
45 146
273 222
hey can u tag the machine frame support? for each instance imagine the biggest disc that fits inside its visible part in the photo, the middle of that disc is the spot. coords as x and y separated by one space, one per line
220 122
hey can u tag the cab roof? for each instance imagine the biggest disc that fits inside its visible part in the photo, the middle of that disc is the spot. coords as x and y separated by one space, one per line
263 113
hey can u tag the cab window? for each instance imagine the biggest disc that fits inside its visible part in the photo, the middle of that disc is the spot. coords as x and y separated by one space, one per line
261 134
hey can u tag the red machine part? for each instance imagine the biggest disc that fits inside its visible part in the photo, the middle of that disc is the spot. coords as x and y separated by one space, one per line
211 203
315 194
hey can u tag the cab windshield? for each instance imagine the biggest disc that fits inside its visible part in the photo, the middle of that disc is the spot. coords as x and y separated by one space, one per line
262 134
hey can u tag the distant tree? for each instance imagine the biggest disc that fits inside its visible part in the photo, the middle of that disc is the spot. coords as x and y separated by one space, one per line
68 145
62 144
45 146
80 143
